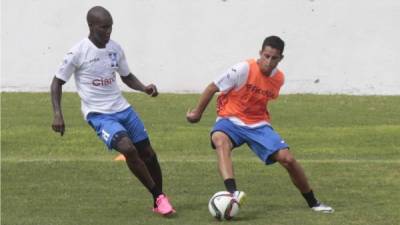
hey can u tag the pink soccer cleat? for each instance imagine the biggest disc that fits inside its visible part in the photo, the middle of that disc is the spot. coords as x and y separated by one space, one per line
164 207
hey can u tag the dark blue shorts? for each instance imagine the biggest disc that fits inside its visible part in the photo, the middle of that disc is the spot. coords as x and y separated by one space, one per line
263 141
107 125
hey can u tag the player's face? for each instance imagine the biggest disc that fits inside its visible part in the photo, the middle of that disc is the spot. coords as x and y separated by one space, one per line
101 30
269 59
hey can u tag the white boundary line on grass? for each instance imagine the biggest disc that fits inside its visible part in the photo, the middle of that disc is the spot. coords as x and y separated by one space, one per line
212 160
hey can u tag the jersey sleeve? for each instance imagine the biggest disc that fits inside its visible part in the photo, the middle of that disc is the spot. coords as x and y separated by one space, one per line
123 69
68 66
233 78
280 81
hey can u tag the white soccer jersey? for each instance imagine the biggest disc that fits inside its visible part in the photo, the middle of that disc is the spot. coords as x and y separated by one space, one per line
235 77
95 78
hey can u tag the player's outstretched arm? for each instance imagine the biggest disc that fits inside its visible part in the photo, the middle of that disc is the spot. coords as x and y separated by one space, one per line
194 115
134 83
56 92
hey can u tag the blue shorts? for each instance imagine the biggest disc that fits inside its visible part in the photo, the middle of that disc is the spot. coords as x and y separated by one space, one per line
107 125
263 141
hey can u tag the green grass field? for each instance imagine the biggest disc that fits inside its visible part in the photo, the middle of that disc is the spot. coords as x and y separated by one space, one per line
348 145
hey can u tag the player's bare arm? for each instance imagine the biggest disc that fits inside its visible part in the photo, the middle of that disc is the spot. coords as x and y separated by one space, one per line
134 83
194 115
56 92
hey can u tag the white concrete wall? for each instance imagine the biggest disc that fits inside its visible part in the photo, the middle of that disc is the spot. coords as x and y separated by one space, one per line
333 46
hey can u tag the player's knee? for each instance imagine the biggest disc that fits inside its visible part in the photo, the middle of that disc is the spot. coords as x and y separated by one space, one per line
145 150
286 159
220 141
131 154
123 144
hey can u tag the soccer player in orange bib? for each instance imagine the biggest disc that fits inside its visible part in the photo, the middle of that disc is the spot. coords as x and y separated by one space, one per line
243 117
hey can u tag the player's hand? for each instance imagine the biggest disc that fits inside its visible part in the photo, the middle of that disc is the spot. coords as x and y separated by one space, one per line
193 116
151 90
58 125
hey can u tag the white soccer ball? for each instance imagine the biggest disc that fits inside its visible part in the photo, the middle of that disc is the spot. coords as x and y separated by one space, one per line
223 206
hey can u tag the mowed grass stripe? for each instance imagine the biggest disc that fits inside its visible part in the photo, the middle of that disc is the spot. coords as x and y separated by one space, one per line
212 160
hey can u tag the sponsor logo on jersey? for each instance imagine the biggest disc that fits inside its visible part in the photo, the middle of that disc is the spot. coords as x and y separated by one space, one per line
103 81
257 90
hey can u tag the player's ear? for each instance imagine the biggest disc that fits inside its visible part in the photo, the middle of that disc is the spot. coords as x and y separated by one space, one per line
91 27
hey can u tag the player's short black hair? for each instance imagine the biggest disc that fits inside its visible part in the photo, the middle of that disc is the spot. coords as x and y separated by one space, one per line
95 12
274 42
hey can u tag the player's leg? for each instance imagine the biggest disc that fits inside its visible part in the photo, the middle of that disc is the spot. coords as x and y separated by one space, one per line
123 144
299 179
115 136
138 134
223 148
271 148
296 172
224 138
149 157
138 162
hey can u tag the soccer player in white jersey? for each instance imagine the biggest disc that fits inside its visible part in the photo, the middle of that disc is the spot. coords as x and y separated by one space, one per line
94 62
